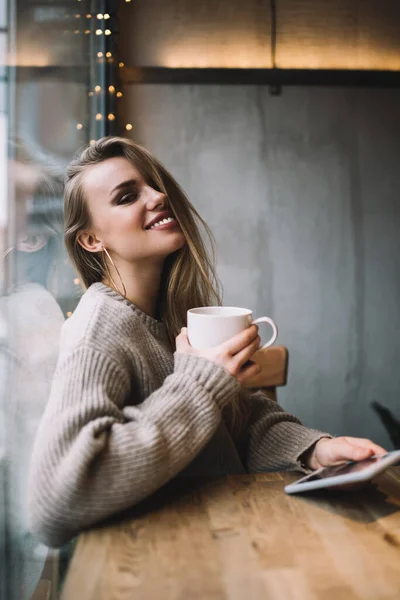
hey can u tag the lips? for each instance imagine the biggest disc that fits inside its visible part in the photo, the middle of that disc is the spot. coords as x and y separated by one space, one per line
165 214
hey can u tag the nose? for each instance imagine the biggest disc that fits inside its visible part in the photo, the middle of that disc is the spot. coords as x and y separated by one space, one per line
155 199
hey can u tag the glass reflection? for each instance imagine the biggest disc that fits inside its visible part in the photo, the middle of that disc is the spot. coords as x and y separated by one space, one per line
44 94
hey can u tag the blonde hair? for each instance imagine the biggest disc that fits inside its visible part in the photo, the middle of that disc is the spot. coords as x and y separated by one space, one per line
189 278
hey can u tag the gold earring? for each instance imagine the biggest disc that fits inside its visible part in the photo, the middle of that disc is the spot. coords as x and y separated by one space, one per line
111 277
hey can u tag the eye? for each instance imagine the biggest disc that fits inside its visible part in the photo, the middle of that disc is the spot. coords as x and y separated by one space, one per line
127 198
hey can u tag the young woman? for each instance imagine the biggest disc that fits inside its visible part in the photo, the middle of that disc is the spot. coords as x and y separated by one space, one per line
132 404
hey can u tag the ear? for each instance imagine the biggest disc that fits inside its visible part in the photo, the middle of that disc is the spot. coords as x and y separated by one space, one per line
32 243
89 242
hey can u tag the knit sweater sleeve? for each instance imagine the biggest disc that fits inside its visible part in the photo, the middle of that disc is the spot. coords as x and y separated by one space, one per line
275 440
94 456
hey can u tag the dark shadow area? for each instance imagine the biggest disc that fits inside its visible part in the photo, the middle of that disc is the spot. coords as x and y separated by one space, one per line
389 421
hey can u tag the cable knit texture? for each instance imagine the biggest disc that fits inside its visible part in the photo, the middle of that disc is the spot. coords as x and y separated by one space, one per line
126 415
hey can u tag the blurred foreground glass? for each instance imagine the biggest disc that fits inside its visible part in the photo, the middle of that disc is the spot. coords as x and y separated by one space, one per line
44 117
3 217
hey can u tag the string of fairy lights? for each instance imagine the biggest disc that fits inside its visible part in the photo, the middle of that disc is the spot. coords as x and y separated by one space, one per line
99 23
97 19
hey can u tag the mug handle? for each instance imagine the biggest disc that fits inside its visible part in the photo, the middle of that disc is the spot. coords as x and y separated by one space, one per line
274 330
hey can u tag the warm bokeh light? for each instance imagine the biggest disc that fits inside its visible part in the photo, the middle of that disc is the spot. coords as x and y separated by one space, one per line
310 35
221 53
290 57
79 126
30 57
128 127
97 88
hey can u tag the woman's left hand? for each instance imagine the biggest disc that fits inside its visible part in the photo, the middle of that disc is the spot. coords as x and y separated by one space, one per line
328 452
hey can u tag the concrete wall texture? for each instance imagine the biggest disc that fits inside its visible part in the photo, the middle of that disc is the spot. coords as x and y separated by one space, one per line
302 192
361 34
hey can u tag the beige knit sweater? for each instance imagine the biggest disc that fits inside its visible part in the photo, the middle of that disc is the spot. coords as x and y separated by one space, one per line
126 415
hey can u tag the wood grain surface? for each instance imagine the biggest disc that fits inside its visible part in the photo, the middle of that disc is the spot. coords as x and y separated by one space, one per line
242 537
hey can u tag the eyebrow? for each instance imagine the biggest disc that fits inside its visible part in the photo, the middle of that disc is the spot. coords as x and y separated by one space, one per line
123 185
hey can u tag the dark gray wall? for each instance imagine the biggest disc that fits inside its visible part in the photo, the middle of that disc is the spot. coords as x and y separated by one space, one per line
303 194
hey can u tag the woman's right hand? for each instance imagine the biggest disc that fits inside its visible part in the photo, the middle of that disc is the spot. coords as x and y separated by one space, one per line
231 355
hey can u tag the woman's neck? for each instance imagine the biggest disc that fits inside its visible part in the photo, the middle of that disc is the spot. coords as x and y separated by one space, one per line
141 283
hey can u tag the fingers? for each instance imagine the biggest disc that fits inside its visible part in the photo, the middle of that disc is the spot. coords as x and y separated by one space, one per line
244 355
364 443
347 450
182 341
240 340
330 452
355 452
248 371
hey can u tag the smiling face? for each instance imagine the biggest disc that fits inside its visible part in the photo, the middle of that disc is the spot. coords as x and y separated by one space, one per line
126 214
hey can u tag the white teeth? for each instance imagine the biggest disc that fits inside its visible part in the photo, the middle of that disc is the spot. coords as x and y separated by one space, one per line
162 222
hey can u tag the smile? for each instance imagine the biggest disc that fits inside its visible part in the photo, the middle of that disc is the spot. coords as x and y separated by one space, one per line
163 222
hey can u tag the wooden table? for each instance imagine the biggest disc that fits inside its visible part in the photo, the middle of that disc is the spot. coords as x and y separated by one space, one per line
241 537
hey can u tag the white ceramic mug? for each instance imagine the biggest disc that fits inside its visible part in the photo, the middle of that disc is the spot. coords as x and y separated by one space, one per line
212 325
